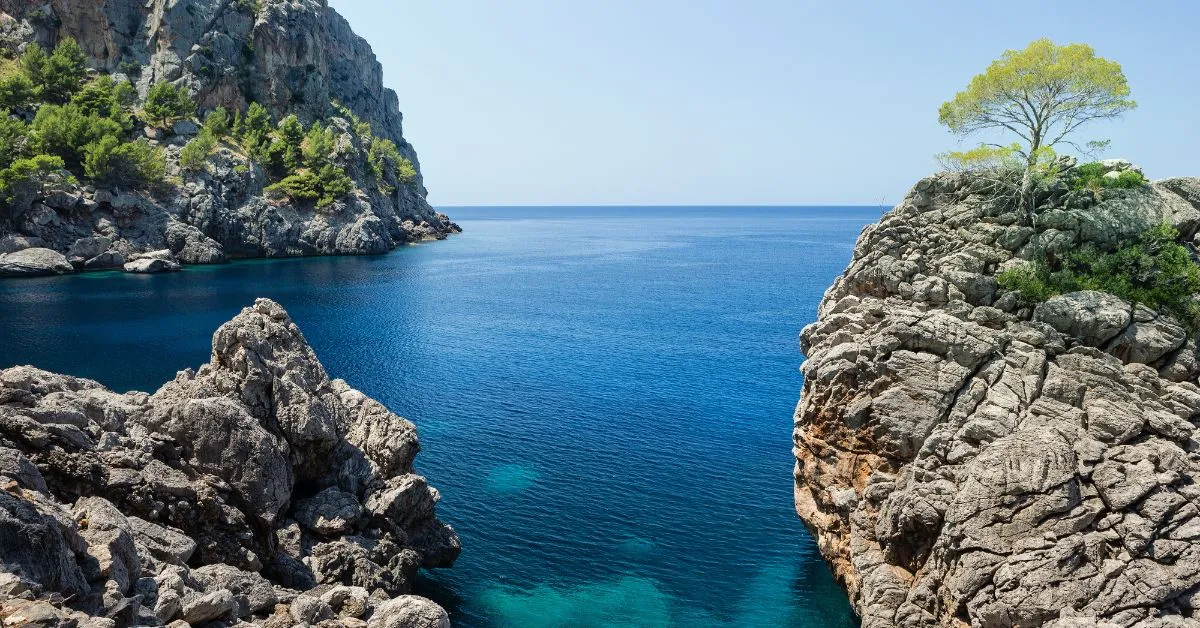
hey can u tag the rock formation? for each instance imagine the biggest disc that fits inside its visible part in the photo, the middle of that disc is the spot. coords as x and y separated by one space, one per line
254 488
293 57
963 460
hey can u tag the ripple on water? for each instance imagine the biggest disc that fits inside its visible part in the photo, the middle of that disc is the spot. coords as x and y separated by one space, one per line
511 478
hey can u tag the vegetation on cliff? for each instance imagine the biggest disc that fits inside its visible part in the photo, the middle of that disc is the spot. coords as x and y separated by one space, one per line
1042 94
52 119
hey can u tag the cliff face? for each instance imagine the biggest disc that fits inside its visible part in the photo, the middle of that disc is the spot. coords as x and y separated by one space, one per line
293 57
253 488
962 460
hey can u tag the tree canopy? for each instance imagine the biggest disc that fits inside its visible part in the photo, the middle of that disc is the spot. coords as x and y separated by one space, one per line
1041 94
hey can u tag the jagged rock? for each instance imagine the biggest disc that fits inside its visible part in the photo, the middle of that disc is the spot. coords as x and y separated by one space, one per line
108 259
968 461
409 611
307 609
216 605
162 542
293 57
151 265
110 547
330 512
186 501
34 262
1092 317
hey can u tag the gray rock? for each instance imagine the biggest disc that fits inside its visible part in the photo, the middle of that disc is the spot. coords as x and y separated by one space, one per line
962 462
108 259
186 128
212 470
219 604
162 542
1092 317
259 592
89 247
110 546
330 512
151 265
409 611
307 609
34 262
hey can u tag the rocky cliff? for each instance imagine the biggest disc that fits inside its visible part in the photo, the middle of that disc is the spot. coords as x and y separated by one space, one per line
254 488
963 460
293 57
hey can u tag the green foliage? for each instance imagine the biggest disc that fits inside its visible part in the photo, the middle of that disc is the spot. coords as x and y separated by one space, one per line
27 173
249 7
216 123
291 140
14 139
17 92
107 98
111 161
1090 176
1154 270
34 65
166 103
65 71
194 155
382 154
1042 94
65 130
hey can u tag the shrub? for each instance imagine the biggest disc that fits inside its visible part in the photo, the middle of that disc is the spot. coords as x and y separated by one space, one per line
1090 176
1153 270
64 130
216 123
109 160
17 92
107 98
34 63
14 139
324 186
194 155
166 103
27 173
65 70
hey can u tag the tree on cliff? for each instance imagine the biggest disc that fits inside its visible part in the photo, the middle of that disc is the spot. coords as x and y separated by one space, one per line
1041 94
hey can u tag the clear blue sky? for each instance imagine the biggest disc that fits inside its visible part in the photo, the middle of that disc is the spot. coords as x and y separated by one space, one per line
756 102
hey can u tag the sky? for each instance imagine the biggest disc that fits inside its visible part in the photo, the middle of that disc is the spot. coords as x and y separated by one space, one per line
703 102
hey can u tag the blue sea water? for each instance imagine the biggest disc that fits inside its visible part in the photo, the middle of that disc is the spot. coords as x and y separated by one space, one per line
604 395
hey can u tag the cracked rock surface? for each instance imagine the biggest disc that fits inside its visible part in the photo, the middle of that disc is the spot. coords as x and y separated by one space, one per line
963 460
254 489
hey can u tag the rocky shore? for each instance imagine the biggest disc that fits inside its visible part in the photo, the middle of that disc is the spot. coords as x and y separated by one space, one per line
293 57
254 490
966 460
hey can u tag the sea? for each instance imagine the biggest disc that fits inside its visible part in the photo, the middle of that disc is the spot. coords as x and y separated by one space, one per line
604 395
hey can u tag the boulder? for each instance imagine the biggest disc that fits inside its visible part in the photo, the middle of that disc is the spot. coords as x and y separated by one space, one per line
34 262
108 259
1093 317
147 265
409 611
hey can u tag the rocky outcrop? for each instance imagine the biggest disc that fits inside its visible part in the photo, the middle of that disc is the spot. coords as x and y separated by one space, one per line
963 460
292 56
254 488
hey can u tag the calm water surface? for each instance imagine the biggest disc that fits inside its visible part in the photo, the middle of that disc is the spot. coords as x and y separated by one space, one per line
604 395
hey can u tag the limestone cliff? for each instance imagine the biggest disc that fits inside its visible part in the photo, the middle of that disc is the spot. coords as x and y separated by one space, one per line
254 488
963 460
293 57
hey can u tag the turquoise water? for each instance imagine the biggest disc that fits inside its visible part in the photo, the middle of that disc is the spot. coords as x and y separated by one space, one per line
604 395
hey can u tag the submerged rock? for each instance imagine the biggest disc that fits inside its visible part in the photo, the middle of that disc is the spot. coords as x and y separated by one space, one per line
183 505
963 460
